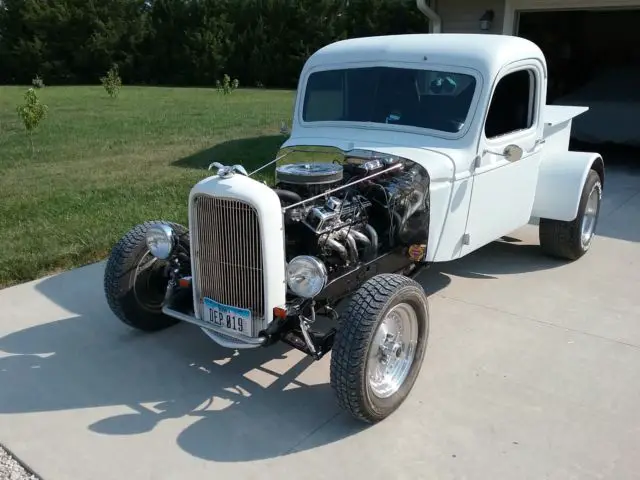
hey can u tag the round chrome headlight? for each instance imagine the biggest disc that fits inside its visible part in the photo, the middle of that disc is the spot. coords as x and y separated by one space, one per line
160 240
306 276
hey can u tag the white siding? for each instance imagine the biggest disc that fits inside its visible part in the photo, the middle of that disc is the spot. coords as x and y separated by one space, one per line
463 16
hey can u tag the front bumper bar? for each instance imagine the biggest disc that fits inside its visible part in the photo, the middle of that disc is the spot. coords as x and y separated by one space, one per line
225 339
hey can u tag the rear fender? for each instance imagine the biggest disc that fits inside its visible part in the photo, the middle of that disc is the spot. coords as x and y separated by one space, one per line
560 181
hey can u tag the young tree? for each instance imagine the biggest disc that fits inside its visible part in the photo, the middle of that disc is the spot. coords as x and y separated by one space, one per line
112 81
32 112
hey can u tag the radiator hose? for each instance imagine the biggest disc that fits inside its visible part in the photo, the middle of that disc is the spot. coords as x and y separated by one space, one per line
287 196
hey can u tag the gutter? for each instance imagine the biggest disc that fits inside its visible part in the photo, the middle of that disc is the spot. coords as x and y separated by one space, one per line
435 22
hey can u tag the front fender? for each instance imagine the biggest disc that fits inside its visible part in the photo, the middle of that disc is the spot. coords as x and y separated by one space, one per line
560 181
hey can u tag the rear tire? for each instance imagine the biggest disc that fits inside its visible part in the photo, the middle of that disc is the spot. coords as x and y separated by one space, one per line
135 282
571 240
374 364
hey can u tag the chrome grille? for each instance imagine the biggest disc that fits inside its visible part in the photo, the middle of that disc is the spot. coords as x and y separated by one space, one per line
228 255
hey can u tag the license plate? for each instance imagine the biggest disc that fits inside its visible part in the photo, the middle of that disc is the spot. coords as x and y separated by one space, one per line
226 317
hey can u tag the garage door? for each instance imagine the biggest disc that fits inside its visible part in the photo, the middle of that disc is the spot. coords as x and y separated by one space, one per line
599 71
509 25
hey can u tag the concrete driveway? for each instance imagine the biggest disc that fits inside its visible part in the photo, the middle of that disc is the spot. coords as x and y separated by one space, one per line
533 371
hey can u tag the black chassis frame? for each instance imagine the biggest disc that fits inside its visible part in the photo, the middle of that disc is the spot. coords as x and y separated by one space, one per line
288 329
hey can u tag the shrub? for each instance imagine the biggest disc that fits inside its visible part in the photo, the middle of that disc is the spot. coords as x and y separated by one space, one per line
32 112
37 82
112 81
227 86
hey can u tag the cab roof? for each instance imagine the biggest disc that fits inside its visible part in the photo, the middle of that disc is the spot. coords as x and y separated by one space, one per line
486 53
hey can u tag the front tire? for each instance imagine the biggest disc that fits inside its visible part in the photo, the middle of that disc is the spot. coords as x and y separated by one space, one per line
571 240
135 281
379 348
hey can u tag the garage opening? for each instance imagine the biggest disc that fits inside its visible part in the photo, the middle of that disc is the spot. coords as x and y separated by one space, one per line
594 60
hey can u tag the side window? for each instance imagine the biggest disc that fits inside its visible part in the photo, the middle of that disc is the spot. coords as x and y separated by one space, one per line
513 104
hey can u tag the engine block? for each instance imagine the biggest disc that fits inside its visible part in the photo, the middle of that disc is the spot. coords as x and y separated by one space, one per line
349 213
337 213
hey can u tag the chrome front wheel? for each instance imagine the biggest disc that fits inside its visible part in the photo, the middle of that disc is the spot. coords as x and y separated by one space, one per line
380 345
134 280
393 350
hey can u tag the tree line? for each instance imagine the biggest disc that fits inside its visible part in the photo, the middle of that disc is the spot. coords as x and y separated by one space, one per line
184 42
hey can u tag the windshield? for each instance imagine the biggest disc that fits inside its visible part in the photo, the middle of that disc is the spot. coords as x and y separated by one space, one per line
419 98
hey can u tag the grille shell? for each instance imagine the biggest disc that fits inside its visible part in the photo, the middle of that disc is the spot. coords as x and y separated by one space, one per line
228 255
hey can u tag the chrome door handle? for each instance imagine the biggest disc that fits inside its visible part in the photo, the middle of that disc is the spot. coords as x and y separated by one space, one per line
537 143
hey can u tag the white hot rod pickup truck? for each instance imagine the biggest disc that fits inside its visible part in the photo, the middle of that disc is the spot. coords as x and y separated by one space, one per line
403 151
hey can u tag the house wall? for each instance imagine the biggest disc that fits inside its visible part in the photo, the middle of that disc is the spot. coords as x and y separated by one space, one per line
463 16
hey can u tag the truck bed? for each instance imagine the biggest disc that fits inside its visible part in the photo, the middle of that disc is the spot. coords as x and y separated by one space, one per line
557 126
557 114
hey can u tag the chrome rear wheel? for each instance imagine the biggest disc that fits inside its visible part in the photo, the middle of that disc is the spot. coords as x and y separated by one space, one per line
590 217
571 240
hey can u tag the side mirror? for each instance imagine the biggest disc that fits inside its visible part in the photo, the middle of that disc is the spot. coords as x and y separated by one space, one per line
513 153
284 129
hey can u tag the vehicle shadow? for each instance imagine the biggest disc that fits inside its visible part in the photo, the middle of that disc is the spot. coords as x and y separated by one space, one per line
507 256
234 406
249 152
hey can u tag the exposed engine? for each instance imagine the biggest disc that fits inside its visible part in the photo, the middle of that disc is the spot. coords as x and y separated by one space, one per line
384 204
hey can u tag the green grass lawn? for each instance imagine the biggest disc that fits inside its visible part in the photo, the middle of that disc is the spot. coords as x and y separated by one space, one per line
102 165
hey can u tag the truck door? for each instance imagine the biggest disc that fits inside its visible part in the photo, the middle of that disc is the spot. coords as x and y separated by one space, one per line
504 186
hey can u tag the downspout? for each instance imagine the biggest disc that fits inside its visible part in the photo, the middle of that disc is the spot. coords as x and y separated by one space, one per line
435 22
